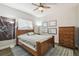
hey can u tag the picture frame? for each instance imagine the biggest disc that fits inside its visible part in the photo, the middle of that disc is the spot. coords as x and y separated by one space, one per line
52 31
45 24
43 30
52 23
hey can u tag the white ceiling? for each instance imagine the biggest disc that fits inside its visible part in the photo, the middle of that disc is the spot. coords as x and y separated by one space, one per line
28 8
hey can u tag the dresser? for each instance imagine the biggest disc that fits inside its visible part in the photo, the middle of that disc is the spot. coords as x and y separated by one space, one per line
67 36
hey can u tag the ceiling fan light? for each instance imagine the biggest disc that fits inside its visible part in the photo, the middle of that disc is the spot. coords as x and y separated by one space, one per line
40 8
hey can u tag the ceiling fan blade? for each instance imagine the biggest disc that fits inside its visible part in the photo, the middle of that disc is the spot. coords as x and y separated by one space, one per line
35 9
41 4
46 7
35 4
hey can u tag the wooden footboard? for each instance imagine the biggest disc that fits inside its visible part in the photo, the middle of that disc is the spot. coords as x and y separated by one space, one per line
42 46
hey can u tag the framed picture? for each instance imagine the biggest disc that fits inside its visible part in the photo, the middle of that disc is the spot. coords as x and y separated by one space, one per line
52 30
52 23
44 24
43 30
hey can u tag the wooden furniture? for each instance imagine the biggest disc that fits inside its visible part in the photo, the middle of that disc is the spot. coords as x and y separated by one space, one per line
42 46
67 36
20 32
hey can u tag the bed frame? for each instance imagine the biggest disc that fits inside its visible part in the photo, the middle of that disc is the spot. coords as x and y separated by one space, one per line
42 46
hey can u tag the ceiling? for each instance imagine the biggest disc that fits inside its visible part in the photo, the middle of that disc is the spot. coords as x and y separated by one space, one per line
28 8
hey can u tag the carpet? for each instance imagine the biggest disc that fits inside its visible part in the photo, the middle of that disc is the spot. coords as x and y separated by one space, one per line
6 52
56 51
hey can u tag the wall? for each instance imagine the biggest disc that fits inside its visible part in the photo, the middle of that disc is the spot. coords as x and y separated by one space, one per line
77 25
65 16
77 16
12 13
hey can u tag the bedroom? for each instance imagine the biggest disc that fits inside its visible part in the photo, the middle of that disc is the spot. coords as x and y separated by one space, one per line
47 23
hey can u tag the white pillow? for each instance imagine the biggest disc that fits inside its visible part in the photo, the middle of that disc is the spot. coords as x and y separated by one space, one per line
30 33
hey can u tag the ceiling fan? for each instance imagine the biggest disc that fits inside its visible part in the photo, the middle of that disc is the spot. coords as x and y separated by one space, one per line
41 6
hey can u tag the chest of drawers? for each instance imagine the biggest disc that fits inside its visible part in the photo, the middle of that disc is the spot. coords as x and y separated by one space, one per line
67 36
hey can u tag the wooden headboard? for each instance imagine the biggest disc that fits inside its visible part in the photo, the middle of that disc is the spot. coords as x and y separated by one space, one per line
19 32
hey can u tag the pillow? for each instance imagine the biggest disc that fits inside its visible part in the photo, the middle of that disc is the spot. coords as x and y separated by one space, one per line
30 33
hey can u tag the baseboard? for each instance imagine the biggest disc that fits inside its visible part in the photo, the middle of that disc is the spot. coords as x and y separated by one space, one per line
4 47
11 46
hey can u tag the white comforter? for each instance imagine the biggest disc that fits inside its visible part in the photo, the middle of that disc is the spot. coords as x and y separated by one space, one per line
32 39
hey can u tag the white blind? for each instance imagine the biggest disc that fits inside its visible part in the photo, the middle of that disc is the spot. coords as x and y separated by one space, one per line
25 24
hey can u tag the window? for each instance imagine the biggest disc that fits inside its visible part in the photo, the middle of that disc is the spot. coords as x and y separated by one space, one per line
25 24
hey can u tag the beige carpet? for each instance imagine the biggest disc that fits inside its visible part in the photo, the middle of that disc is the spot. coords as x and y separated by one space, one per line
6 52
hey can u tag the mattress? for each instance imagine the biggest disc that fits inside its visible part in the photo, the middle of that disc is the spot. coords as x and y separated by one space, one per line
32 39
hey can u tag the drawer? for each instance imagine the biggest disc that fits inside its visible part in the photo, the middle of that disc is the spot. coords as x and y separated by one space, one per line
67 40
68 37
66 28
70 45
67 32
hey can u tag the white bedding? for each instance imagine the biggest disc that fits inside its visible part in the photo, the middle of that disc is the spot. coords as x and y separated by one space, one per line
32 39
30 46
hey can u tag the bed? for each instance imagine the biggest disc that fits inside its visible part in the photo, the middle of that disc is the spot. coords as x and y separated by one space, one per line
35 44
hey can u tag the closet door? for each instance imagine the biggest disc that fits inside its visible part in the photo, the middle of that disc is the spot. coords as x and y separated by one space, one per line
67 36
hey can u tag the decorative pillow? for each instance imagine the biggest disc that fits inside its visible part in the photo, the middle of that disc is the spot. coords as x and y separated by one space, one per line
30 33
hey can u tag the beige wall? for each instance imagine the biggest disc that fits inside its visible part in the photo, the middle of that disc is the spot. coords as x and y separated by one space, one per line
77 24
78 16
